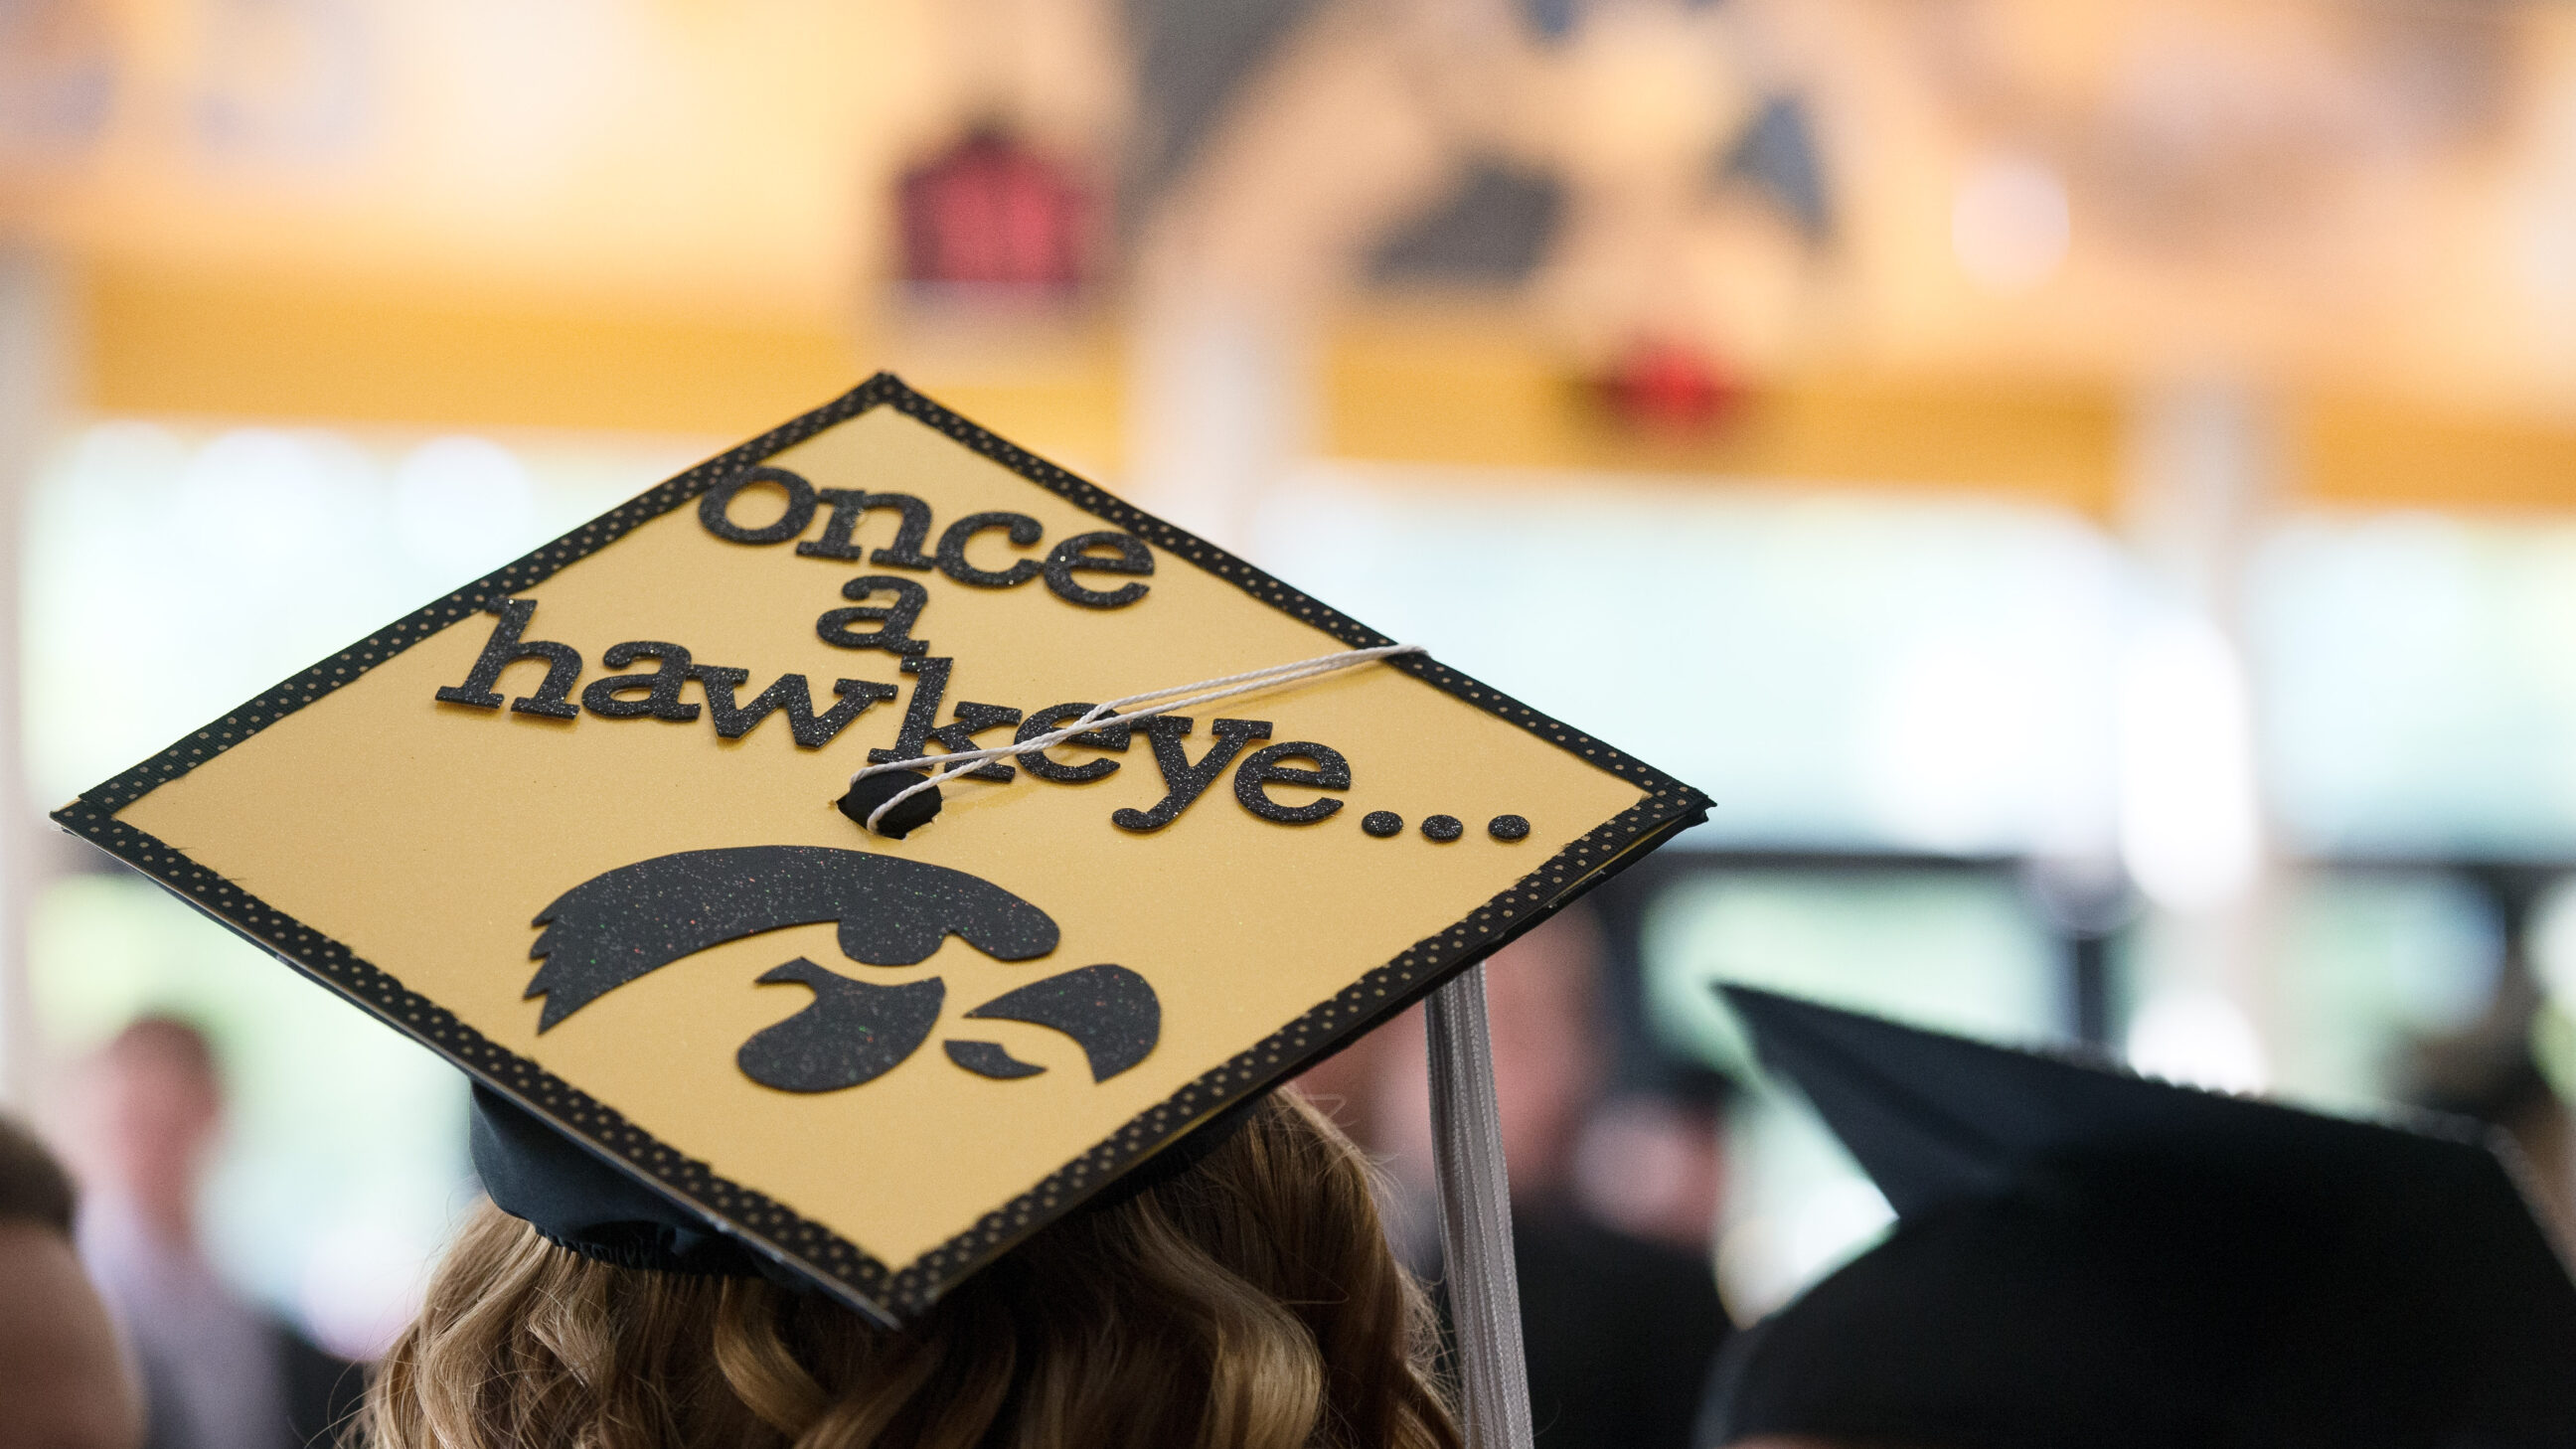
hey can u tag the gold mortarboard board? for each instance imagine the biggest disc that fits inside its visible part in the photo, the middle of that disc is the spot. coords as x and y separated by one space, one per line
573 827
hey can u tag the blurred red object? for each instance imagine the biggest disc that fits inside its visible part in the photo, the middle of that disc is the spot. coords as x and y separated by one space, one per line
992 212
1666 387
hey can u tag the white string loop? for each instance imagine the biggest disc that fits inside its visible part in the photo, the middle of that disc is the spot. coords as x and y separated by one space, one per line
1205 691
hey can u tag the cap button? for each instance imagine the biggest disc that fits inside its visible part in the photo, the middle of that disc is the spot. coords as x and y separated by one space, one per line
867 794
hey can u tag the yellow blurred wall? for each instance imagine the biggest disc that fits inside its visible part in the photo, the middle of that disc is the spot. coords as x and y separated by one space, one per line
1395 386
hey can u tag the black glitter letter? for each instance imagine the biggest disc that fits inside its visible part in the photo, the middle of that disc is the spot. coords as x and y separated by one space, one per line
790 694
894 621
965 721
1069 558
563 665
663 701
930 686
1184 782
954 736
839 541
1053 718
1024 531
800 507
1262 767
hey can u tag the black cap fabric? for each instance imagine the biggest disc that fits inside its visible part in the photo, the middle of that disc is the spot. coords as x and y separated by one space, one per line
572 1198
2085 1257
579 1202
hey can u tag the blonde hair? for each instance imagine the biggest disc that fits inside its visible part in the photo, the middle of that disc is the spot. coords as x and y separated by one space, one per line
1249 1302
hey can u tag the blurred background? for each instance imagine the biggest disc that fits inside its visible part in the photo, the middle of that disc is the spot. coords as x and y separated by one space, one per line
2089 488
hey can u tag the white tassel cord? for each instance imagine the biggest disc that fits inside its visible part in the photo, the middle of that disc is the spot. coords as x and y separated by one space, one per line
1476 1216
1205 691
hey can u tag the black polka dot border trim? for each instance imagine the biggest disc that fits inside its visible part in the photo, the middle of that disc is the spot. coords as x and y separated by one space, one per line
885 1292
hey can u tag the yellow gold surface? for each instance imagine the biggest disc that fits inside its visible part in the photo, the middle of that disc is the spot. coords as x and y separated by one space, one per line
426 836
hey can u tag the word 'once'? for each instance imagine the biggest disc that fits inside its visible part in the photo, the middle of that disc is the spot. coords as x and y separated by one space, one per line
1104 552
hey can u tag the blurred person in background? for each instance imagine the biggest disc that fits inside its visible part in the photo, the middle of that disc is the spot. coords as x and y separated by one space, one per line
1612 1202
219 1372
2489 1071
1648 1161
64 1383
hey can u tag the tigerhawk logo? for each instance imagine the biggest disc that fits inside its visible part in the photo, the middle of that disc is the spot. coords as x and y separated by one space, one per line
636 919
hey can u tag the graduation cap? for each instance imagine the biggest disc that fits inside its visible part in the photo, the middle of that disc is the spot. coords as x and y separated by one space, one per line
872 844
2088 1257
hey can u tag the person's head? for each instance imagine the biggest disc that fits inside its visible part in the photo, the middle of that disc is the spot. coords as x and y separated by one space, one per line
1248 1302
1542 994
160 1102
1649 1164
63 1379
1542 1004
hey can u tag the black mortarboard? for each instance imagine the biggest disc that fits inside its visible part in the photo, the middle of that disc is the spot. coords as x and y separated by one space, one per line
2085 1257
637 832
